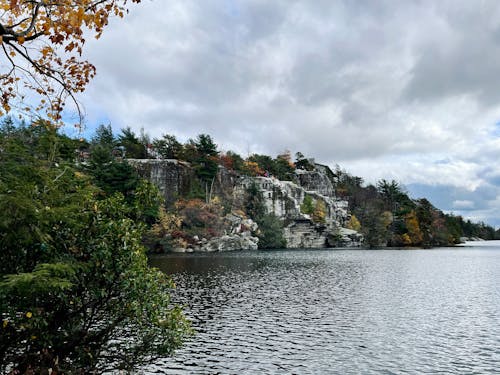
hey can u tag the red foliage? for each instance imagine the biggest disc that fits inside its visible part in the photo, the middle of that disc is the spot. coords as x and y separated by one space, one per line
200 218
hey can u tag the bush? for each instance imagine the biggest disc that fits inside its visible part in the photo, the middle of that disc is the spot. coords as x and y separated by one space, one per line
270 232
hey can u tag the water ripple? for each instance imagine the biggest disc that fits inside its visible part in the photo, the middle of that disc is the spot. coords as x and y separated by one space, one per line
338 312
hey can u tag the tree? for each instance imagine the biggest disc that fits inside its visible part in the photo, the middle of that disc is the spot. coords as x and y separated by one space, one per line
270 232
104 137
251 168
160 236
284 167
390 193
206 160
354 223
76 293
109 174
307 206
232 161
254 202
200 218
319 213
205 145
42 42
134 149
424 213
168 147
7 126
414 232
264 163
302 163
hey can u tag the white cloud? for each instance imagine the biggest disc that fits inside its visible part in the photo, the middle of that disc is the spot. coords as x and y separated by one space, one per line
463 205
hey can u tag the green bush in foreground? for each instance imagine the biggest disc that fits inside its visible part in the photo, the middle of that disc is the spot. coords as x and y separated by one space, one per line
76 292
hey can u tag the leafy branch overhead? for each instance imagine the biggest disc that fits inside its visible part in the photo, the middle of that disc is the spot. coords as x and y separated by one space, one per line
42 43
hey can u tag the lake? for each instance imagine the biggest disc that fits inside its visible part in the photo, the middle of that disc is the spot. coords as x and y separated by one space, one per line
339 311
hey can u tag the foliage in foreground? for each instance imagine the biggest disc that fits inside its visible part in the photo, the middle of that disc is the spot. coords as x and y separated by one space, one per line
42 44
76 292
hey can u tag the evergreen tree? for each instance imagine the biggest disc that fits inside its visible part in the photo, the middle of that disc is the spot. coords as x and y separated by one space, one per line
254 202
307 206
270 232
168 147
133 147
76 293
302 163
109 174
104 137
206 162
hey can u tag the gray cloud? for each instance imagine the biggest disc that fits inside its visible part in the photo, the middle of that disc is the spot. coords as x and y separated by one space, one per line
468 61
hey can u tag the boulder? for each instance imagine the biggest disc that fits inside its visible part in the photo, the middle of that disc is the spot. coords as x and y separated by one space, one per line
345 237
243 241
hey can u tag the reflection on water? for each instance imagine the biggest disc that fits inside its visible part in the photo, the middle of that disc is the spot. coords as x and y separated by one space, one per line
339 311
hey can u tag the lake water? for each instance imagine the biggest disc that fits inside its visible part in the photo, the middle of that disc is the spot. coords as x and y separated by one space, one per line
339 311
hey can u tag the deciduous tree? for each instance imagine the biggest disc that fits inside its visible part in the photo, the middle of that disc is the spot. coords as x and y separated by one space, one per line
42 43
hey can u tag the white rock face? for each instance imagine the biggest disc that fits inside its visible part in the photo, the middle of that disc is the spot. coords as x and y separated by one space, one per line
284 198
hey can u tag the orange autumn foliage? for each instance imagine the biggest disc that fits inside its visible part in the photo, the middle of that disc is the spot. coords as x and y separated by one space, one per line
42 42
252 168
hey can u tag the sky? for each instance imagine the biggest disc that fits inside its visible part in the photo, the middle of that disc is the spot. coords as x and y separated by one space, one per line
404 90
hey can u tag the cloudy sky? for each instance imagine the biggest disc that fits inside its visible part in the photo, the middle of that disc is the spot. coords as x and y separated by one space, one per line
405 90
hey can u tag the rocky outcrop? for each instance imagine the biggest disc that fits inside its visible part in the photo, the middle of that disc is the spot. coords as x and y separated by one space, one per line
316 181
344 237
239 236
240 241
304 234
282 198
174 178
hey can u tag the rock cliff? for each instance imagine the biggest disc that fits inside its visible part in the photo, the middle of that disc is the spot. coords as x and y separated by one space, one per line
282 198
173 177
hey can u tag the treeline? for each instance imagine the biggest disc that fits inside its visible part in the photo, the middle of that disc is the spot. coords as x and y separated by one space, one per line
387 216
201 152
384 212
